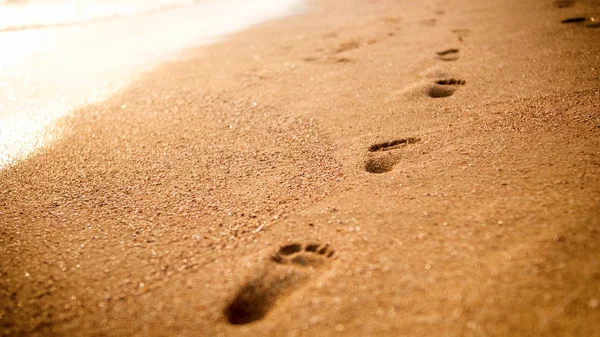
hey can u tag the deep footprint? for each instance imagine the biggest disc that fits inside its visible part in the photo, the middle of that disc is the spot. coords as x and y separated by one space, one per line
444 87
449 54
381 165
288 269
385 162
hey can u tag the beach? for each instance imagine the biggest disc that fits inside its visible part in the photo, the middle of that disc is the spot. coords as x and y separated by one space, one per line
362 168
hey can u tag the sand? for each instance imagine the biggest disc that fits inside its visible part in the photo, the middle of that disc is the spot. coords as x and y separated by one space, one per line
367 168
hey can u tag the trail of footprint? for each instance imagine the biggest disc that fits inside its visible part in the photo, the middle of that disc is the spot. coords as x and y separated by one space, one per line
360 37
378 162
451 54
288 269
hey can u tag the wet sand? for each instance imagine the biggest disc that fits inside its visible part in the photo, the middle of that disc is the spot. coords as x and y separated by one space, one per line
369 168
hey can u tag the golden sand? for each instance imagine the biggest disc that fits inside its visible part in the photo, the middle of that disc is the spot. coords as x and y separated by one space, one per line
369 168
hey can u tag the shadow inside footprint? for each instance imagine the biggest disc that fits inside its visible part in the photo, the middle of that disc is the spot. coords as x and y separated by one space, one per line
381 164
444 87
290 267
573 20
385 162
391 145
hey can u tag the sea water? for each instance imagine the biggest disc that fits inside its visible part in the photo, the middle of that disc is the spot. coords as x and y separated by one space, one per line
56 56
25 14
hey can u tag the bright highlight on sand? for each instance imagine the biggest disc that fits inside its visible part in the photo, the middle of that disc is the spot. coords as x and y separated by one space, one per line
60 64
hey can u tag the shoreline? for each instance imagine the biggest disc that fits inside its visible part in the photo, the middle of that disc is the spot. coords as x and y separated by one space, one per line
323 175
52 72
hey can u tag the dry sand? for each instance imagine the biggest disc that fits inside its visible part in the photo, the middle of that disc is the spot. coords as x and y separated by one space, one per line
327 174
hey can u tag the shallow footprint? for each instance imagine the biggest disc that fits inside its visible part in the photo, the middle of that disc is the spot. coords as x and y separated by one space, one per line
288 269
378 162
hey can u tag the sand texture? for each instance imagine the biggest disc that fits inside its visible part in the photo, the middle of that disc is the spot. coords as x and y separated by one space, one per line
368 168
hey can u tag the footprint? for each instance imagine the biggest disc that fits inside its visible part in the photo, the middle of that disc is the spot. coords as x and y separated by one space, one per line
451 54
348 39
590 22
574 20
287 270
339 60
328 59
394 144
378 162
333 56
348 45
437 81
429 22
444 87
310 59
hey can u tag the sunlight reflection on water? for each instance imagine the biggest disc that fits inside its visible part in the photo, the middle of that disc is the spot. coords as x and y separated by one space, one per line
19 14
49 72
